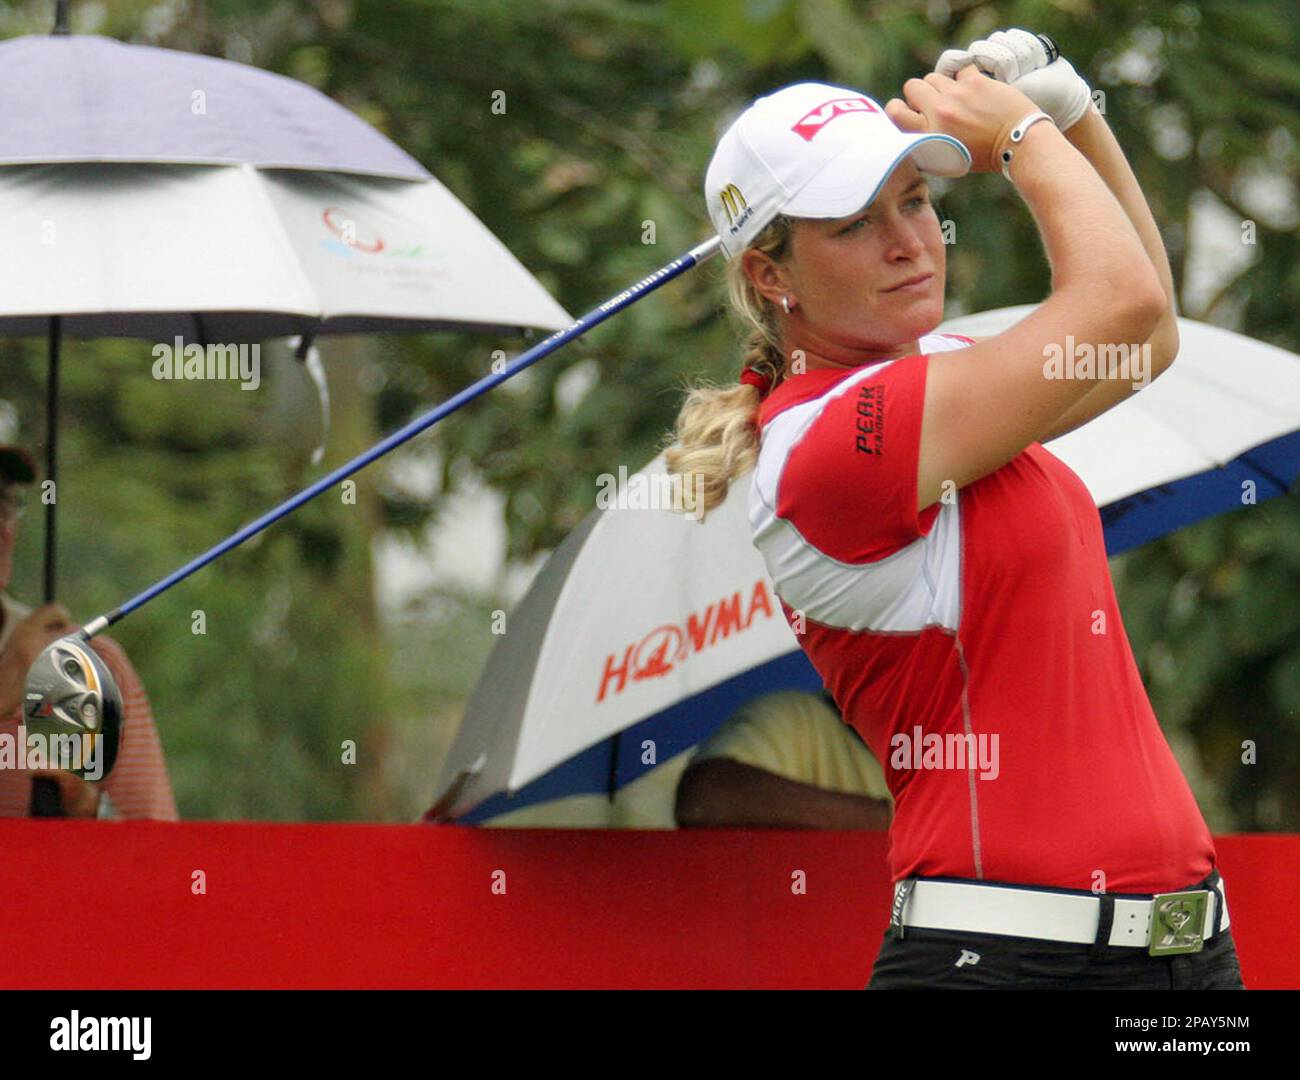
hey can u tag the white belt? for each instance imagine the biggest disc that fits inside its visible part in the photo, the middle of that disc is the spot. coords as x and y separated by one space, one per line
1028 913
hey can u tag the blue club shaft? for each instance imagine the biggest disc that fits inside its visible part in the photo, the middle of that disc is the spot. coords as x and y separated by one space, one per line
421 423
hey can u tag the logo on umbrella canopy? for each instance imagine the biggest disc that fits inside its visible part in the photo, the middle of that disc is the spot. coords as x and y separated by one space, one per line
658 653
345 227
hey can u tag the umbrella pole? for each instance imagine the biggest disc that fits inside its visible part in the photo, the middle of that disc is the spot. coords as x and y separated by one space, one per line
45 799
613 767
52 454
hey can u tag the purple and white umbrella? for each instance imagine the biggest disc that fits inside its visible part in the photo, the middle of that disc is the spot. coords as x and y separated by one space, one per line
155 194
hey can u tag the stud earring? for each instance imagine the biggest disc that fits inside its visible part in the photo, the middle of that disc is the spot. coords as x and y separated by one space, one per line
785 303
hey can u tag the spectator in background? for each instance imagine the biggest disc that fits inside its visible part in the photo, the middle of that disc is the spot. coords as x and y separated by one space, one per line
784 760
138 786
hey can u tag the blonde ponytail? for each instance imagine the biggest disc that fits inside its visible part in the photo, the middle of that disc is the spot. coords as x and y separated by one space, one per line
715 439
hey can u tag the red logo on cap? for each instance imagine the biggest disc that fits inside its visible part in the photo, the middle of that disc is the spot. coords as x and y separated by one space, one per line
828 111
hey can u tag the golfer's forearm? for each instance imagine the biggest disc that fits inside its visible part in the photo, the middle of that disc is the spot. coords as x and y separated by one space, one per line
1102 278
1096 142
1093 138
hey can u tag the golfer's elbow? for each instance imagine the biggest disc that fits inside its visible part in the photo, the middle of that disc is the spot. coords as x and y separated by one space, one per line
1145 303
1159 347
1139 305
1164 344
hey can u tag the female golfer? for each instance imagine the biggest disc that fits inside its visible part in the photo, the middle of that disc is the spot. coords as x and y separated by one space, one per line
944 573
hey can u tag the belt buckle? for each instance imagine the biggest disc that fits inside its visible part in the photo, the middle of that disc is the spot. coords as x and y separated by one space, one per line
1178 922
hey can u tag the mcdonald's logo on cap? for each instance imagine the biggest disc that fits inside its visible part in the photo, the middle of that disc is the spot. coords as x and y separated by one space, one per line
733 202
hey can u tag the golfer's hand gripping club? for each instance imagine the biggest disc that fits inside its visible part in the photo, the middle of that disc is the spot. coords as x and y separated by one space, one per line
1031 63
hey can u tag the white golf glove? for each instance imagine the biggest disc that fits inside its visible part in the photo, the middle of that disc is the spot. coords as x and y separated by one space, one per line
1021 59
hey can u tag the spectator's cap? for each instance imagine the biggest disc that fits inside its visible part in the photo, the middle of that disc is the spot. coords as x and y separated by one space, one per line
16 466
811 150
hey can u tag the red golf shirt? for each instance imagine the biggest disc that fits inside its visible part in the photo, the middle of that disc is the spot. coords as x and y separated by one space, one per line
977 647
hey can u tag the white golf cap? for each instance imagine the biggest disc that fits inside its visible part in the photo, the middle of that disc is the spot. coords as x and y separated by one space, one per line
815 151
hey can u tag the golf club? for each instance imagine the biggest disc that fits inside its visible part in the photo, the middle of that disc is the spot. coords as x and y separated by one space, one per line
68 679
71 694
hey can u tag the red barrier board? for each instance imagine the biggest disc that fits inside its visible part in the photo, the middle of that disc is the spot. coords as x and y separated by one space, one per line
142 904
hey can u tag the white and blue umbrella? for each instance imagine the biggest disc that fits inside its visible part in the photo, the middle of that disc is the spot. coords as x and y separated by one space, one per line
1217 427
646 629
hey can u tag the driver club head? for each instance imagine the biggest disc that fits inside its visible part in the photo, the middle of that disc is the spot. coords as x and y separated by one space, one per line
71 692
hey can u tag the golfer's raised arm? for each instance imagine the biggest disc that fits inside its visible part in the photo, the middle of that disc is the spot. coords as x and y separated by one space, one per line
985 404
1092 137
